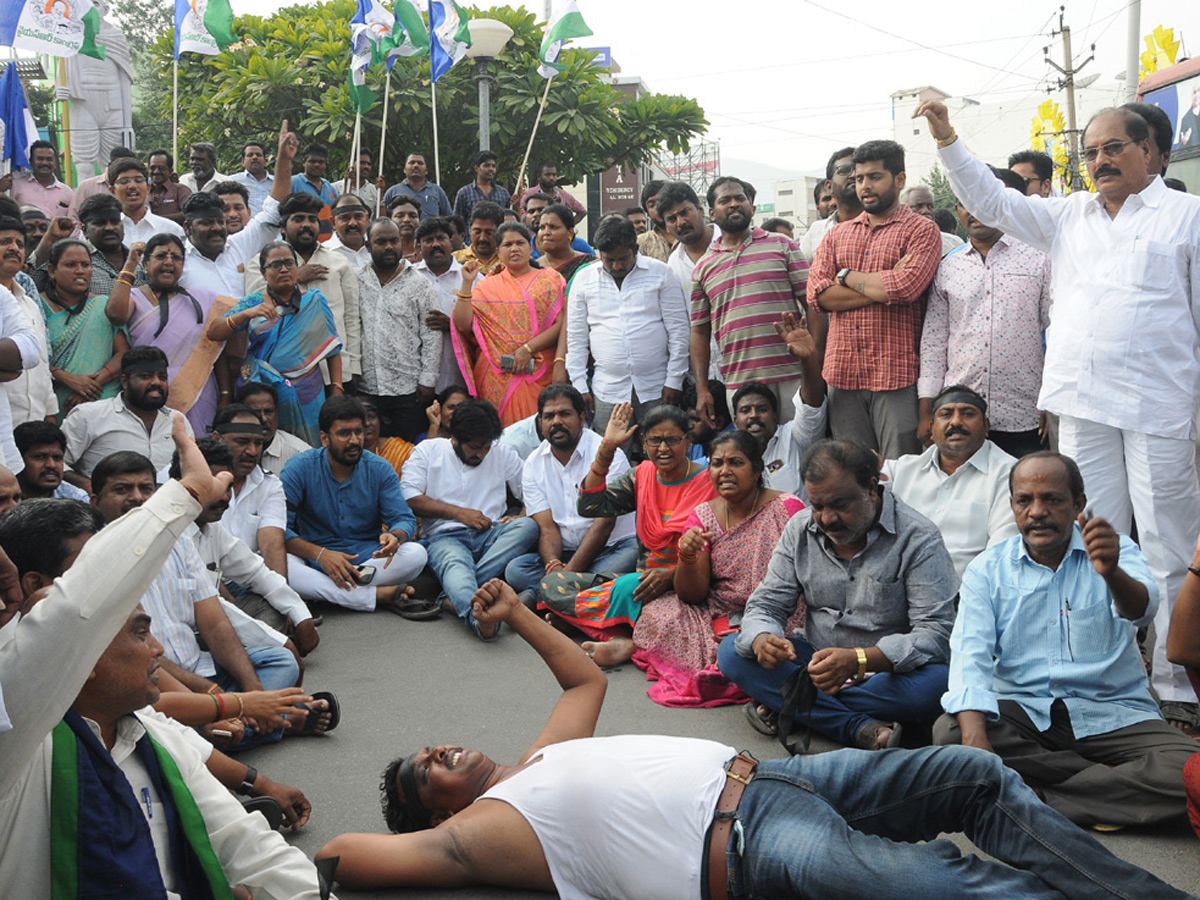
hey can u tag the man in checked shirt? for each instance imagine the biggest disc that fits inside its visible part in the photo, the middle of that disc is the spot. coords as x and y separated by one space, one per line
871 274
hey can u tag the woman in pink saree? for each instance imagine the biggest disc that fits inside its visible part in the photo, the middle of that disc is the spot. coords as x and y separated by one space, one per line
506 327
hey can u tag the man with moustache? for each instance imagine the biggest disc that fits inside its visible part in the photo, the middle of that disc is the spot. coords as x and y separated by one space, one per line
364 185
401 354
637 216
166 196
136 419
313 181
824 199
656 243
254 176
679 208
104 230
550 483
1123 347
323 270
547 184
920 200
42 446
1044 664
340 498
257 512
236 200
202 160
996 286
486 217
434 201
783 445
960 483
281 445
871 276
839 172
31 393
129 183
405 211
483 189
879 588
438 264
351 216
743 286
39 186
457 485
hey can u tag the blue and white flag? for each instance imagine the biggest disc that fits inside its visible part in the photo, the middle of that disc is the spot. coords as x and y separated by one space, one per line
57 27
17 128
448 36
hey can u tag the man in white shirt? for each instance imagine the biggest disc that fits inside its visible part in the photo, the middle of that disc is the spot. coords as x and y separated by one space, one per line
438 264
550 482
351 217
31 393
321 269
203 162
254 176
685 222
629 312
217 262
960 483
281 445
457 486
1123 347
90 622
19 350
135 419
129 182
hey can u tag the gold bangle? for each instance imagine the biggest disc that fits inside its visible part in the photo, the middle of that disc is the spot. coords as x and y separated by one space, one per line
528 349
561 359
946 142
463 300
241 705
862 665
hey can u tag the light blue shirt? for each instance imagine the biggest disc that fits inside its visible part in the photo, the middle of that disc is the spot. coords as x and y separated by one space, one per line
346 517
1032 635
258 190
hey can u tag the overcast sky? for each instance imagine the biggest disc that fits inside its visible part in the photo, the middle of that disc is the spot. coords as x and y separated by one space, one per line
786 82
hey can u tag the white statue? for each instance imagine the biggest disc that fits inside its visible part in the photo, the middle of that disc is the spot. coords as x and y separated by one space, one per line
100 91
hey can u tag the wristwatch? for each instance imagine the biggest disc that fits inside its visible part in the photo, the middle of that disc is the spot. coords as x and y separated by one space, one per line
247 784
841 276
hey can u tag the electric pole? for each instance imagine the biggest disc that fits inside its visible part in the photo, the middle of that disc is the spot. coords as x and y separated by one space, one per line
1069 70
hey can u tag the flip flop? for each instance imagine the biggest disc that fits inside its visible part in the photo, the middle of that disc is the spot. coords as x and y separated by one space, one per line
310 721
269 807
763 722
413 608
868 737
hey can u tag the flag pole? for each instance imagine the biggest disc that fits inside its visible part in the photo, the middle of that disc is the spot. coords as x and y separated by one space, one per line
175 113
437 165
536 123
356 141
387 90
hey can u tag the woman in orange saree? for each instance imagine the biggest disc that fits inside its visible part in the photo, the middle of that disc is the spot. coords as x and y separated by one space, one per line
506 327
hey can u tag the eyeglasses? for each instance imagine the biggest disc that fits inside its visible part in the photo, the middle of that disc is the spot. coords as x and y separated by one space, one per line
1029 179
125 182
165 257
657 441
1111 149
843 170
280 265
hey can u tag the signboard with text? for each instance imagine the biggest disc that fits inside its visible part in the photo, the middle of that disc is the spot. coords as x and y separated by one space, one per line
619 190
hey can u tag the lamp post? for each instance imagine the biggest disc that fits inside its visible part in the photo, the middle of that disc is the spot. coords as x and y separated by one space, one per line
488 37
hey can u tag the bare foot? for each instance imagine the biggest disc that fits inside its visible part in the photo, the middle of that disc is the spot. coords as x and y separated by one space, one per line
609 653
882 738
306 637
298 717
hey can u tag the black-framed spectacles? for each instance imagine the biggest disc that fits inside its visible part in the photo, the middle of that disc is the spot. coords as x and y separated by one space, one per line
673 440
1111 149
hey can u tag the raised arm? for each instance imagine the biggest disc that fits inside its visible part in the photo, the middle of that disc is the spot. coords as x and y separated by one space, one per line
119 307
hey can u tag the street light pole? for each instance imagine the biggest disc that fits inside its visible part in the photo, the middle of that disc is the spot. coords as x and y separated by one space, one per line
483 76
488 39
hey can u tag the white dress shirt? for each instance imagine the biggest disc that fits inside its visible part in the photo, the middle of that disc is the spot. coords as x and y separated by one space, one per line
1124 337
229 559
283 447
356 258
97 429
31 394
227 273
638 334
189 181
446 286
811 239
521 436
148 227
435 471
259 189
15 325
970 507
259 504
787 446
683 266
550 485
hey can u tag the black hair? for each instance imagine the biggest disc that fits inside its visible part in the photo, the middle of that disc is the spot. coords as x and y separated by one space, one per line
564 213
650 190
1159 122
1043 165
204 204
340 408
208 149
38 433
58 248
34 533
364 151
163 237
450 390
1010 178
221 188
274 245
142 353
379 220
663 413
123 164
537 195
889 153
251 388
8 223
476 420
1136 127
41 145
123 462
299 202
399 816
633 211
257 144
546 164
775 223
457 223
746 186
746 445
676 193
819 189
316 149
826 455
1176 184
615 233
118 152
945 220
344 196
215 453
434 225
232 411
483 156
487 212
402 200
1074 476
518 227
557 392
99 203
834 157
758 389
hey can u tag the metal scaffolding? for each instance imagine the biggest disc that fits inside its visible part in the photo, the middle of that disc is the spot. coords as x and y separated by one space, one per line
699 167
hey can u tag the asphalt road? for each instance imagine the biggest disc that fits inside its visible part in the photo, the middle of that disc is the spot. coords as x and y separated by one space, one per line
405 685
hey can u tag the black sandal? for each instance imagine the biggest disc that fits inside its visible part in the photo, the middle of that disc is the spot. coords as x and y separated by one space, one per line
764 721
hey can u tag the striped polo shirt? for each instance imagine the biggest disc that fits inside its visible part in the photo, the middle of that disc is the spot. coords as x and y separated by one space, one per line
742 292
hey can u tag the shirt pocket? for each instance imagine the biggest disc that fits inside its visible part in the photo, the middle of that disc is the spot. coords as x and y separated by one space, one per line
1154 266
882 607
1093 632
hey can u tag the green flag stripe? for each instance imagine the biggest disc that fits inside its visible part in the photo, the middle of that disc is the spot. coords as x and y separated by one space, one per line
64 815
218 20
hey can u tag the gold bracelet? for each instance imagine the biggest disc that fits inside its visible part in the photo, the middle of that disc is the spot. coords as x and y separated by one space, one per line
862 665
561 359
946 142
241 705
528 349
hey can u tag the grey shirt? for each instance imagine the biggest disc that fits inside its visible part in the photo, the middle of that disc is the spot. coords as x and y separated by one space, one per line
897 594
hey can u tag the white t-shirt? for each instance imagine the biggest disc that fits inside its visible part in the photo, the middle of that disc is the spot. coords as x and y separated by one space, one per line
434 470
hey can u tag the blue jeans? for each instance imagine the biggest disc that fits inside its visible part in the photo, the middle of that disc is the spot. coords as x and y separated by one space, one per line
463 559
914 696
276 668
843 824
526 572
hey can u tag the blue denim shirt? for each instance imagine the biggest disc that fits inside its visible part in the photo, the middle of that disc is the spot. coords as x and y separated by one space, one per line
432 198
346 517
1032 635
897 594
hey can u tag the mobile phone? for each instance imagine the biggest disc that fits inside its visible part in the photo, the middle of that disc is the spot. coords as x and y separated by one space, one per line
221 733
724 625
508 363
366 574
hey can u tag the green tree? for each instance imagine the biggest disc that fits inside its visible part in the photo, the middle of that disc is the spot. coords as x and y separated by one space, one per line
295 65
943 194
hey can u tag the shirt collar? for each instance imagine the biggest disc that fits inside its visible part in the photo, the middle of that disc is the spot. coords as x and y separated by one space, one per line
887 516
979 459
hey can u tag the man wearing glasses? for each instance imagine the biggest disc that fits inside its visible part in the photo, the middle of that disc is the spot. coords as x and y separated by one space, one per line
839 171
1036 169
1122 370
129 183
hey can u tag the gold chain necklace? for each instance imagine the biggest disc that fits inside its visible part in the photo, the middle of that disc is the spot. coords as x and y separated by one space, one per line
754 506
